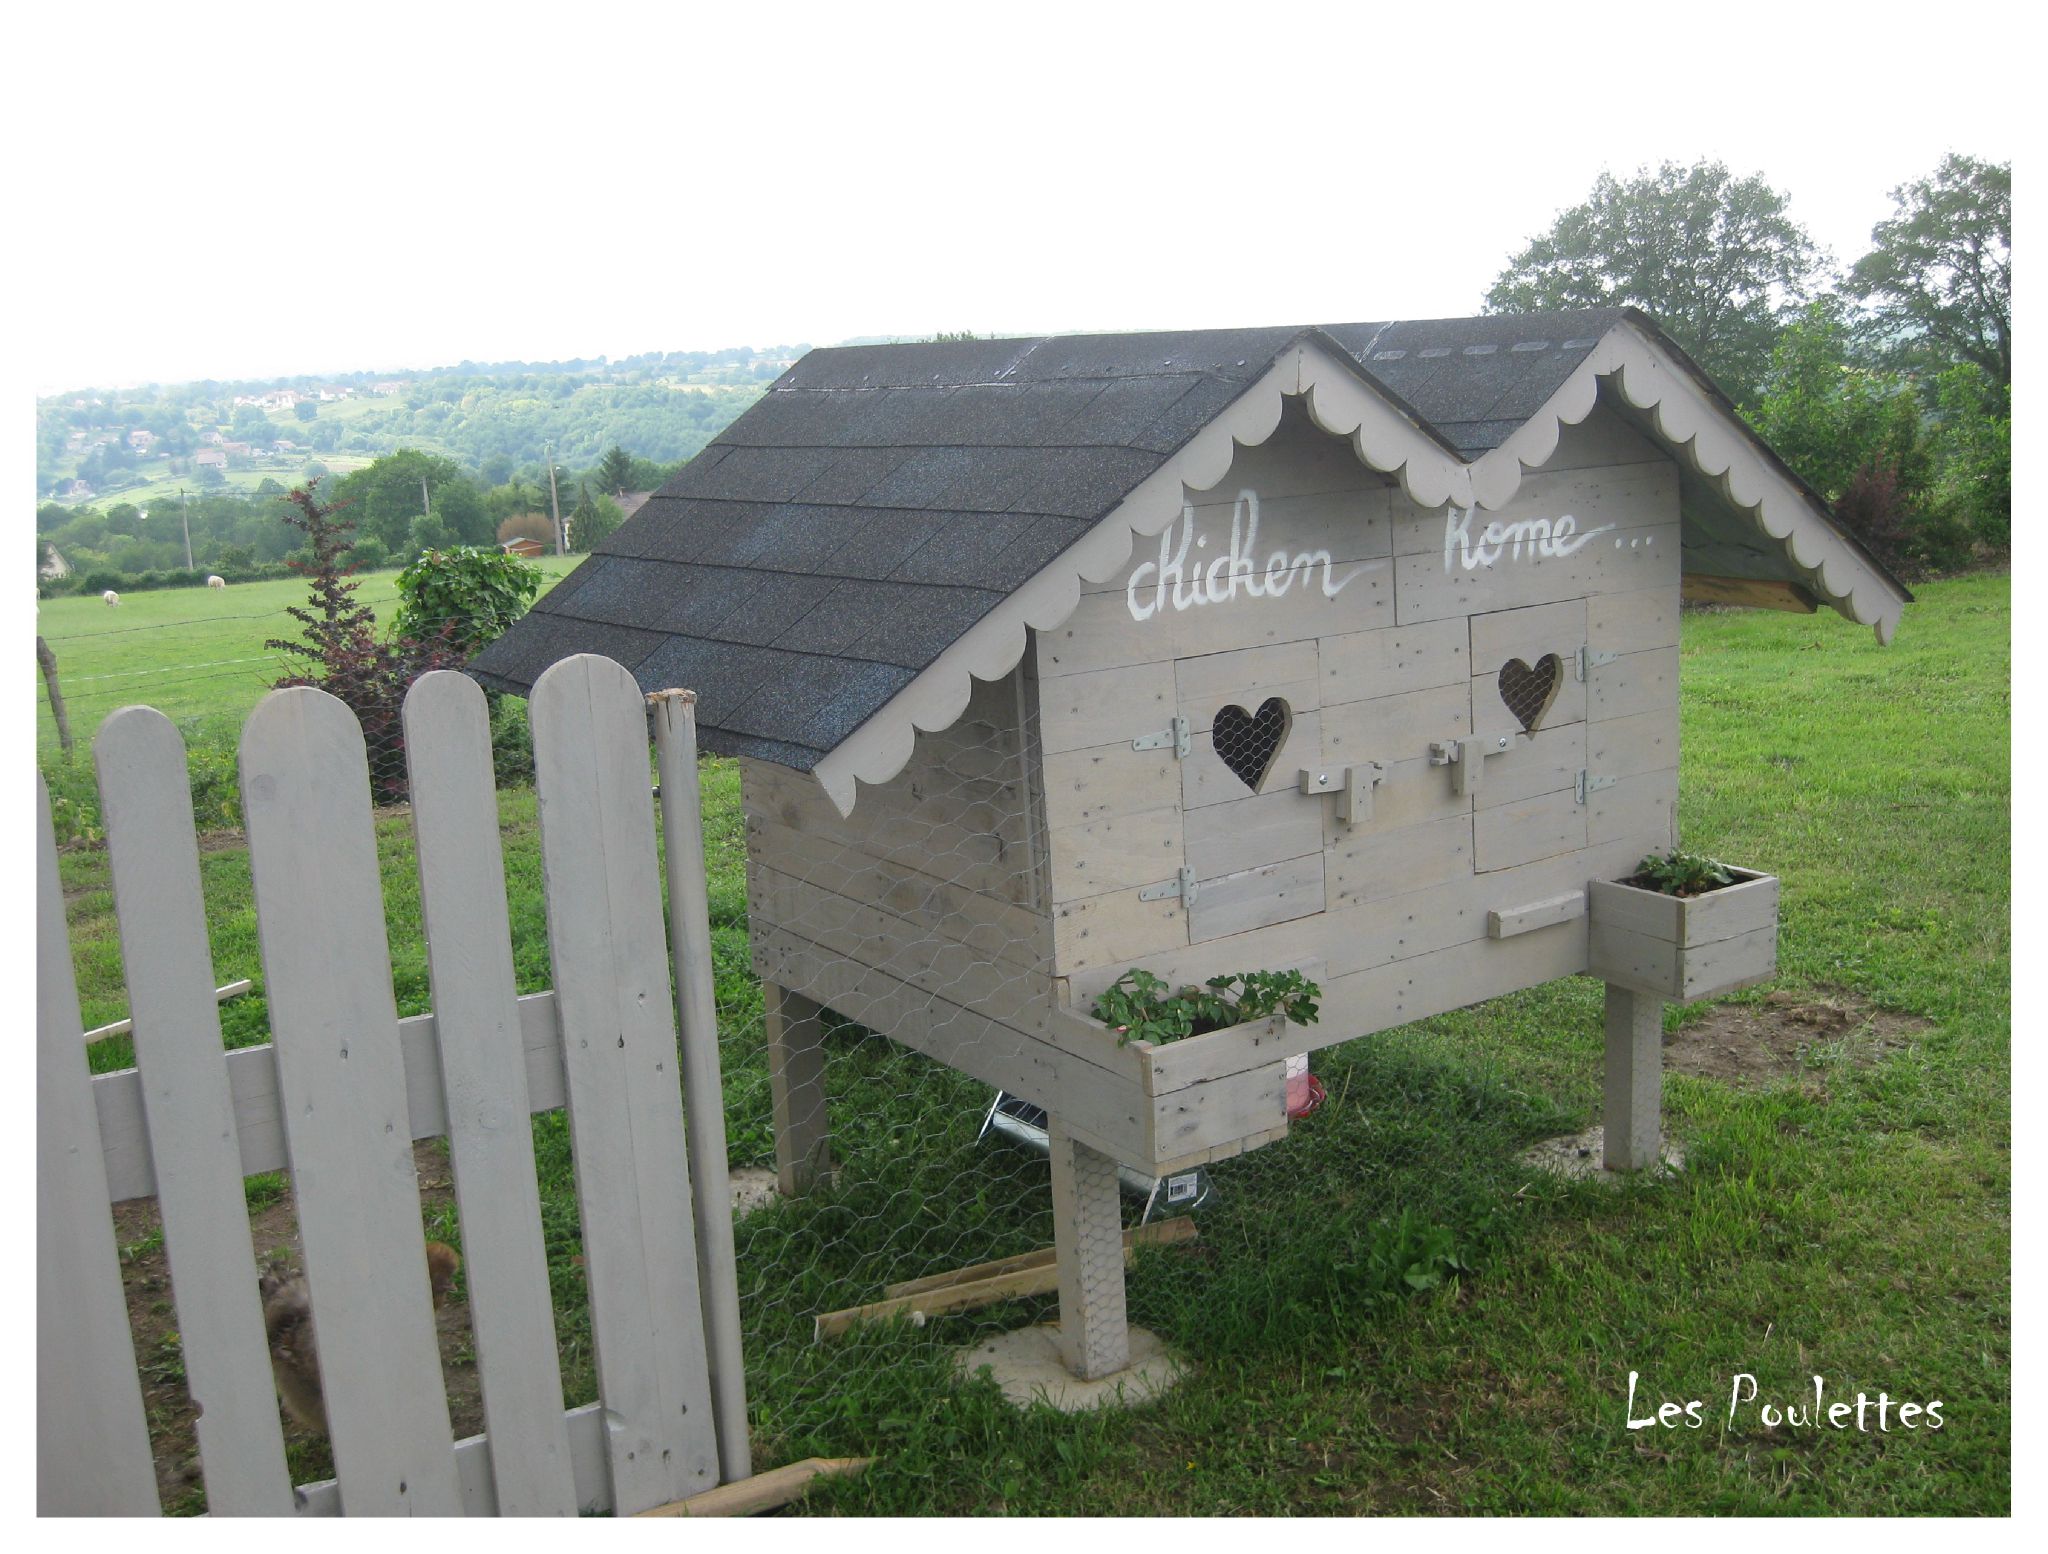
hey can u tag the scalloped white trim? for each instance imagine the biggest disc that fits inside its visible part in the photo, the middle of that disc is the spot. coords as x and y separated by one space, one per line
1345 405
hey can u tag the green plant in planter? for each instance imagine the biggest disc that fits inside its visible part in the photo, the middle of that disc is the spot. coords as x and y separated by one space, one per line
1139 1006
1680 873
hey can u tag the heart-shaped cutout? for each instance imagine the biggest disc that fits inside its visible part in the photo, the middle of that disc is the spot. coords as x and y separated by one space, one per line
1529 692
1248 742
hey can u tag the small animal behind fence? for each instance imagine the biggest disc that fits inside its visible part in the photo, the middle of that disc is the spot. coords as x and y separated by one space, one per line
345 1088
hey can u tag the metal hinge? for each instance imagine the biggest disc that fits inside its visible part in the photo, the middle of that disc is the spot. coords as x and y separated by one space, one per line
1181 885
1590 660
1176 735
1589 784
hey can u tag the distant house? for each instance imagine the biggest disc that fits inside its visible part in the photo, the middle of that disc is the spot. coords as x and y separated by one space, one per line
210 458
630 502
236 447
213 438
391 386
77 491
284 445
141 439
524 545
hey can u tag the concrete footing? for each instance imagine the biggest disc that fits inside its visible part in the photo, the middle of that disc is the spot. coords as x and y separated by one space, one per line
1027 1365
1581 1155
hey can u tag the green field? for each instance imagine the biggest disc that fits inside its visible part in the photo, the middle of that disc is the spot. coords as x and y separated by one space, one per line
1388 1312
195 654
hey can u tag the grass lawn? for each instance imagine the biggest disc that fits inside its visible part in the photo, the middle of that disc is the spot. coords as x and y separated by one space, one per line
1388 1312
196 654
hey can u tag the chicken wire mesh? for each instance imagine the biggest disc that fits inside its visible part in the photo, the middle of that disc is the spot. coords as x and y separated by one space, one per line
925 919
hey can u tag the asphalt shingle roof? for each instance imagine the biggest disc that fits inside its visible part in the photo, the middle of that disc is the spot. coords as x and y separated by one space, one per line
879 500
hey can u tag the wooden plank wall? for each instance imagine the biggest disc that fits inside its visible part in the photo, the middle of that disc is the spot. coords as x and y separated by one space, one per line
938 876
1395 641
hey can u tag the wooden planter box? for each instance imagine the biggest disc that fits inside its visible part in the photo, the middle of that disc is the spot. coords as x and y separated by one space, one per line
1683 948
1202 1099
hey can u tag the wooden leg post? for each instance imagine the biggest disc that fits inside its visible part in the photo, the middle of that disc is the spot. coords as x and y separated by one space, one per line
1633 1135
796 1083
1087 1215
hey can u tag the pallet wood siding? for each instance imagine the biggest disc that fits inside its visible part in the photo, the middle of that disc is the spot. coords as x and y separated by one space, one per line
1375 673
948 849
1031 853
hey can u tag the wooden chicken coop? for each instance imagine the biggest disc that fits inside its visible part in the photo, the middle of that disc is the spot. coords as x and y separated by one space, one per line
1351 649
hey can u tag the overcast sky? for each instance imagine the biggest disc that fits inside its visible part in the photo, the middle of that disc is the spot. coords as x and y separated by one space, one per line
282 189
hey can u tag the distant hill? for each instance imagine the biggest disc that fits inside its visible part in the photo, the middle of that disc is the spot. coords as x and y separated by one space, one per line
492 418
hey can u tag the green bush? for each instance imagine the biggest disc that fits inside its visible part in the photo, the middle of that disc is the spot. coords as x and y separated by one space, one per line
511 741
466 596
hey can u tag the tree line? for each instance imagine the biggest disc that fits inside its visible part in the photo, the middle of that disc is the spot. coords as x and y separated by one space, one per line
401 505
1886 385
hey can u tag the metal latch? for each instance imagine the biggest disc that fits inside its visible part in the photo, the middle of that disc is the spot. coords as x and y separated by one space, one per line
1175 734
1589 784
1353 786
1590 660
1181 885
1465 758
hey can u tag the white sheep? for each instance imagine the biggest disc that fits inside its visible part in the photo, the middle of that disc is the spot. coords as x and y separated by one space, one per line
110 598
216 582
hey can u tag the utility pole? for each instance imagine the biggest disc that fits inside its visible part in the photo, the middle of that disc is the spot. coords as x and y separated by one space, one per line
185 517
555 500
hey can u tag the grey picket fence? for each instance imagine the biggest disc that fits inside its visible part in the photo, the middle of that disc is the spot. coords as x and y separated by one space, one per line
345 1088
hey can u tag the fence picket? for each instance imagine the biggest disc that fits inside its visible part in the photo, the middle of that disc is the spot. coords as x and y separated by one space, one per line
146 798
92 1444
483 1074
610 958
327 972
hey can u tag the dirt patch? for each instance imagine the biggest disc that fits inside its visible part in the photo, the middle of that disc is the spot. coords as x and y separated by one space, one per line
1786 1035
274 1232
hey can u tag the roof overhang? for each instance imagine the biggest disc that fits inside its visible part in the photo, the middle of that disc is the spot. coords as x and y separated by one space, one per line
1634 363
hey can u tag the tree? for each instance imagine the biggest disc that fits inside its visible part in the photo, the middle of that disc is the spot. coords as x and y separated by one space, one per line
1973 441
528 526
593 520
1939 273
1854 433
614 471
1713 258
306 409
387 495
339 639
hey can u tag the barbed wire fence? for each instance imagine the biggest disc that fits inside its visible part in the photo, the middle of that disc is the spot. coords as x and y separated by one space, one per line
843 945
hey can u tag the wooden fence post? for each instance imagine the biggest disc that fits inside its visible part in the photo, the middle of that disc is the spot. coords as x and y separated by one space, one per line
49 662
689 917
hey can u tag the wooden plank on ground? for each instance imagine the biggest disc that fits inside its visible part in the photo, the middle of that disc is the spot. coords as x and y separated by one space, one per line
1036 1273
92 1442
1160 1232
763 1491
610 956
327 975
474 988
153 856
